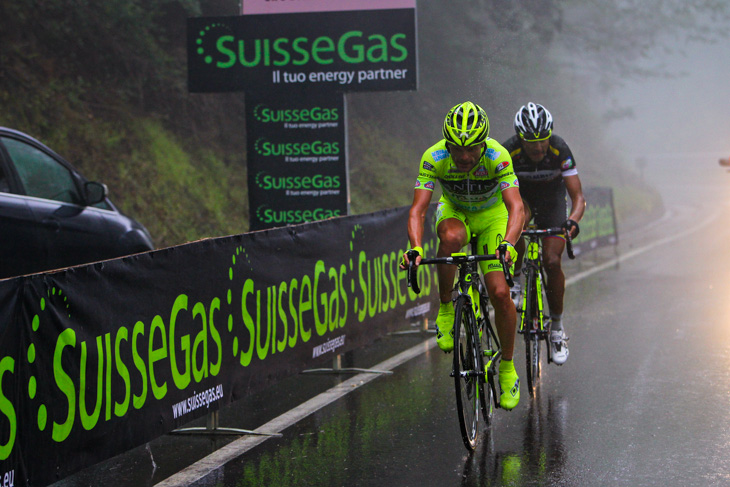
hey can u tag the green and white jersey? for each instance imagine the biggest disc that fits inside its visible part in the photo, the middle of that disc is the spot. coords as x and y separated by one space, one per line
479 189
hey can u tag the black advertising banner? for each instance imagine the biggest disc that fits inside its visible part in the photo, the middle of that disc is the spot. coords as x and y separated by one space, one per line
598 226
101 358
297 166
362 50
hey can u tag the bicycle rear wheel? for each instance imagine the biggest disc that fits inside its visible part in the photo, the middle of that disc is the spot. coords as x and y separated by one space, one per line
467 367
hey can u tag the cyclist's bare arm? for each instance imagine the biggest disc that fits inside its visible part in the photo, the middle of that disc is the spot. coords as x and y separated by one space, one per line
416 221
515 210
578 202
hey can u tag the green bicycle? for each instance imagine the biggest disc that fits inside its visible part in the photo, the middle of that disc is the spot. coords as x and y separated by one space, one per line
531 310
475 339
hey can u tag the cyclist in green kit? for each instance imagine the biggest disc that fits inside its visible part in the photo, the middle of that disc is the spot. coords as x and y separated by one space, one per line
480 197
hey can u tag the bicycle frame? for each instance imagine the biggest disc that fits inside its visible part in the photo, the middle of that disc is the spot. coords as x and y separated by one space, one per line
472 329
532 319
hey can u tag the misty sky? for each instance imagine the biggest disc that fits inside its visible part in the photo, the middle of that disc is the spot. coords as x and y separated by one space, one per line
687 114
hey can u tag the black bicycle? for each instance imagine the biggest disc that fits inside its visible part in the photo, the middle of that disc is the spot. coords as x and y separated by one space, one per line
531 307
475 342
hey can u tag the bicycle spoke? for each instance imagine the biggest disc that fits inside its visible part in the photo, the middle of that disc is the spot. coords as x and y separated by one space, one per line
467 374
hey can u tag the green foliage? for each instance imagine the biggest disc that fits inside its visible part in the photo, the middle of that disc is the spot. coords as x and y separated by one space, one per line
104 84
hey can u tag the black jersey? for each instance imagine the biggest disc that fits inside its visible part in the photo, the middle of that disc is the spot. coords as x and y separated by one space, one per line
546 177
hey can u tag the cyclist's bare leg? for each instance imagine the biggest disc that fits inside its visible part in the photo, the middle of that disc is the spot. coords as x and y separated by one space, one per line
520 245
452 238
505 316
552 252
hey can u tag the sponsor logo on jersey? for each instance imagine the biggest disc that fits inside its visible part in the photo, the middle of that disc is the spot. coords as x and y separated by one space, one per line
481 171
493 154
568 163
504 185
429 185
516 182
502 165
428 166
440 155
418 184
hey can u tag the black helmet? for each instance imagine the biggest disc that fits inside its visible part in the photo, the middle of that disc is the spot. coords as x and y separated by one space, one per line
533 122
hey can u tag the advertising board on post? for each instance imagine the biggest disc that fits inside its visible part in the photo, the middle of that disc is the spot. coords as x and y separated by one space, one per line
296 163
293 58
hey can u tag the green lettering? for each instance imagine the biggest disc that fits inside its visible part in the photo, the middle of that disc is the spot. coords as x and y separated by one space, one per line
215 368
65 385
156 355
181 379
343 294
281 344
262 351
361 259
319 323
320 45
293 313
220 45
242 54
334 302
120 408
285 57
303 51
357 48
305 304
88 421
200 339
404 52
6 408
248 288
138 401
380 47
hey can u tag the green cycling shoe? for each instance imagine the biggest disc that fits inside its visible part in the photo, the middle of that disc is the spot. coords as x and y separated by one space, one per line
509 384
445 327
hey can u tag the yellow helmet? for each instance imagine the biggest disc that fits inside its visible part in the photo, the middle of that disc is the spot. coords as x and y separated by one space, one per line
466 124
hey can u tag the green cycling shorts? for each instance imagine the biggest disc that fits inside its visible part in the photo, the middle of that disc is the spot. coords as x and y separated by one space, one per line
489 225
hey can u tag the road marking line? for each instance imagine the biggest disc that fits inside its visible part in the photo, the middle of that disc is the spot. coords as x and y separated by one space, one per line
235 449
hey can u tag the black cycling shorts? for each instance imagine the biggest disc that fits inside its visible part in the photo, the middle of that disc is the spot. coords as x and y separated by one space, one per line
548 209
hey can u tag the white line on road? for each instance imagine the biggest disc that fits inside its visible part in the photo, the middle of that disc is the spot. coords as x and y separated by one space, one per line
233 450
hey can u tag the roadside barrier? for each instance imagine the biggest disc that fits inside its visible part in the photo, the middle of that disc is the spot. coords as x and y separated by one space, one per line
101 358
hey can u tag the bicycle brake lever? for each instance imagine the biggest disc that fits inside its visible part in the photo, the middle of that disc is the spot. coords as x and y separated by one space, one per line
413 276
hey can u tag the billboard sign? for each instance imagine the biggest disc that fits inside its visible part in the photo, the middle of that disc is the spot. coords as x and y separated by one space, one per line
364 50
297 170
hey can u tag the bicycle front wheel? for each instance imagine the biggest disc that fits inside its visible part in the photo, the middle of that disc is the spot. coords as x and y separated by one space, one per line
531 325
468 372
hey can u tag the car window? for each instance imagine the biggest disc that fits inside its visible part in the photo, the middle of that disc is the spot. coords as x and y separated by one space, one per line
41 175
4 182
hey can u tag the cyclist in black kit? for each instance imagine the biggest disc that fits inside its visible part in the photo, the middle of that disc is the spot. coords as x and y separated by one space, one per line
546 168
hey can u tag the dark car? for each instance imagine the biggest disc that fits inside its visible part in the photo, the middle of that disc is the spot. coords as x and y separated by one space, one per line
51 216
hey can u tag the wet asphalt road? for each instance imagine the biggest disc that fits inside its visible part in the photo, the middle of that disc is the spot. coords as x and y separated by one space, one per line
643 400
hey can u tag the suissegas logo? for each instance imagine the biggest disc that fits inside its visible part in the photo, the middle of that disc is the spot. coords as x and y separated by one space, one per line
270 215
204 39
266 148
218 44
265 114
319 181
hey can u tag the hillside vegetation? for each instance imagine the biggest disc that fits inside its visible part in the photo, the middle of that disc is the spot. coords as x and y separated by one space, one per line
105 85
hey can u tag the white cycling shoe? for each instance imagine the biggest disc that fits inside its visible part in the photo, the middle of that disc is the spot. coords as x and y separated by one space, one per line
516 293
559 346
